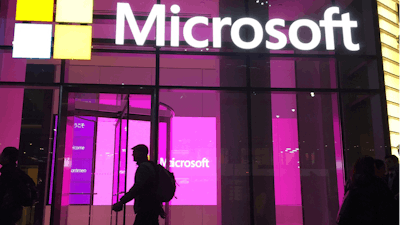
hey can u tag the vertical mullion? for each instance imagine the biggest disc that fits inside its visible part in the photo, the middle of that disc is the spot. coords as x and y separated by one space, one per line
249 132
167 159
340 108
126 151
113 176
155 102
58 136
93 169
250 141
119 160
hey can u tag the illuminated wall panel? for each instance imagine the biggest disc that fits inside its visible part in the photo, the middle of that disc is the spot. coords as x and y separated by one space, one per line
392 81
390 54
392 108
104 161
396 124
387 14
395 136
391 67
389 3
392 95
389 26
390 40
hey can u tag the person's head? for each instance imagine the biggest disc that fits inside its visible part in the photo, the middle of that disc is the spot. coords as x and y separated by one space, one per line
364 166
9 156
380 169
140 153
392 162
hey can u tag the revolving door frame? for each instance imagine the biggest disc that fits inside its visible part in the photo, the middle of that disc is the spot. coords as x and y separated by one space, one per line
59 212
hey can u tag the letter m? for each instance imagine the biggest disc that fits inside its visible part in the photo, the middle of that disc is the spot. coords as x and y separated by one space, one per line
163 162
124 11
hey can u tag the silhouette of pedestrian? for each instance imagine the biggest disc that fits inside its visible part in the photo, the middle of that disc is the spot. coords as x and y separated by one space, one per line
392 178
393 175
15 188
147 208
368 200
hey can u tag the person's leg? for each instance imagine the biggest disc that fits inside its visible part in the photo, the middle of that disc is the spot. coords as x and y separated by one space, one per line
146 218
153 219
139 219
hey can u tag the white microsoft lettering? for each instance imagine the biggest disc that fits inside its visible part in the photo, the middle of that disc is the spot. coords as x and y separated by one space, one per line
258 33
346 25
157 13
187 31
282 40
163 162
175 26
217 27
204 163
124 11
294 39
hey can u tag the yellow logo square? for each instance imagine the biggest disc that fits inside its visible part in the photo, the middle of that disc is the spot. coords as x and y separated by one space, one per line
35 10
72 42
74 11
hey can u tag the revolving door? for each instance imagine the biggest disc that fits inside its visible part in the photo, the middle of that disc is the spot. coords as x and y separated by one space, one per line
98 170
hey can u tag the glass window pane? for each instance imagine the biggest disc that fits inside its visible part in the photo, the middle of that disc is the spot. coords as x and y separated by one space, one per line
296 147
362 128
28 121
358 73
205 71
209 157
282 72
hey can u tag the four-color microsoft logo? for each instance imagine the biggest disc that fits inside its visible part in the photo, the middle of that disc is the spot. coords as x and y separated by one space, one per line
34 39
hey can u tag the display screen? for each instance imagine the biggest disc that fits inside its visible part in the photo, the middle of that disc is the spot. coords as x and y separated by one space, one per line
82 160
193 160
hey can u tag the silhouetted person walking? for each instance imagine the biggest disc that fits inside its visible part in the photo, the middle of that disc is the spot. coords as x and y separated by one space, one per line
368 200
392 178
17 189
147 208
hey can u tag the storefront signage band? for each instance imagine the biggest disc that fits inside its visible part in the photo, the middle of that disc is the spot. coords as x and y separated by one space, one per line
157 15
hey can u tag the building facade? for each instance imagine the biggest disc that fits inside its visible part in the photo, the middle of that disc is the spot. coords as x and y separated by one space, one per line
259 108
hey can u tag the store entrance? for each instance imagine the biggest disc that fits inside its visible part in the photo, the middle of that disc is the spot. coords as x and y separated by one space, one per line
100 131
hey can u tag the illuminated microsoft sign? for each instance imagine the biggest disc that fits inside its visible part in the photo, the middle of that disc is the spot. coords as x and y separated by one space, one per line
157 15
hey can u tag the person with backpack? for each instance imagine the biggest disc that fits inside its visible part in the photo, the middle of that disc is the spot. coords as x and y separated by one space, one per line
153 185
17 189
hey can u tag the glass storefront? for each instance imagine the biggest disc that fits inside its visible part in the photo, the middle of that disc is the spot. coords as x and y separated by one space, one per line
262 135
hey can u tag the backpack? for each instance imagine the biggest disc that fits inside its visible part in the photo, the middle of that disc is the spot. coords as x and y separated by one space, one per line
165 183
28 194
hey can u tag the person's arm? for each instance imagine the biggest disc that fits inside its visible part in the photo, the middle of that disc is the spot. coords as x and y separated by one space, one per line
141 179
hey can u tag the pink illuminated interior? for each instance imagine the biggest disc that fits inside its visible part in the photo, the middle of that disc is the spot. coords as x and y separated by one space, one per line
193 136
193 156
196 145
